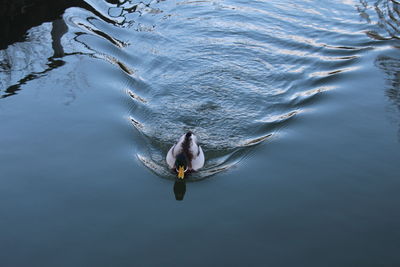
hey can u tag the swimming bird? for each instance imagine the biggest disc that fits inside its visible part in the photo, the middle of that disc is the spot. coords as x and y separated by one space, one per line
186 155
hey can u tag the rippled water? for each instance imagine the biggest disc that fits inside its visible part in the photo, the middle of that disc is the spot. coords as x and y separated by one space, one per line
296 105
231 72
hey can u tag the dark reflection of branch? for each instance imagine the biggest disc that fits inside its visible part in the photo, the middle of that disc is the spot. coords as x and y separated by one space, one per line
179 189
122 8
13 89
386 14
388 17
391 67
58 30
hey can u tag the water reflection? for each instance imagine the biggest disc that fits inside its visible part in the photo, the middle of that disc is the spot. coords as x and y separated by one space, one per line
387 16
391 67
17 19
122 11
59 28
21 34
13 89
179 189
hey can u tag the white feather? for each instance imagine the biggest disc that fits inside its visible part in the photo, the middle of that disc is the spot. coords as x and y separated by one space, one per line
171 158
198 161
198 155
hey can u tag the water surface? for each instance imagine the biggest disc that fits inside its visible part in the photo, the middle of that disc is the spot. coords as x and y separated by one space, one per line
295 104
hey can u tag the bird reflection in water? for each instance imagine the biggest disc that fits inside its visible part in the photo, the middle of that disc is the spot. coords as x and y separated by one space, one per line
179 189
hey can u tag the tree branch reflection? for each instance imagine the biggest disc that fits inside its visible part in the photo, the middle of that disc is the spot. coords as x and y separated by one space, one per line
386 15
391 67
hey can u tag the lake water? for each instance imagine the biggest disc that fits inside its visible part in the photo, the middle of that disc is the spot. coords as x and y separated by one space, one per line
296 105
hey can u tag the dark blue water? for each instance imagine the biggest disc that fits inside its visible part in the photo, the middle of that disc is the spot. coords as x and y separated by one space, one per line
296 105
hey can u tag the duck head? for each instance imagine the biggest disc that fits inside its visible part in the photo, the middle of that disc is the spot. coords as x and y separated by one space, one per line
181 165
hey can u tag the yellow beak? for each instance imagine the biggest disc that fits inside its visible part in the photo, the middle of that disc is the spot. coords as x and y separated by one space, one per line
181 172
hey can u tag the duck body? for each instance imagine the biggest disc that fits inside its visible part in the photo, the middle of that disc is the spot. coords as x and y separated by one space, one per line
186 155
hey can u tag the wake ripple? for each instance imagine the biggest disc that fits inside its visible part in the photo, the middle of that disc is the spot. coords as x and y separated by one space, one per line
233 74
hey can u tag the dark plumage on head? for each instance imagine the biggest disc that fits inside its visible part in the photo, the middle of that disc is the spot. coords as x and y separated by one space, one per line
181 160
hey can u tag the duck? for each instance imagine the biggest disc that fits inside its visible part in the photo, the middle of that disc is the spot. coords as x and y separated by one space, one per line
185 156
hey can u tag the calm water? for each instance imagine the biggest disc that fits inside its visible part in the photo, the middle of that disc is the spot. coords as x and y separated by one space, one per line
296 104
